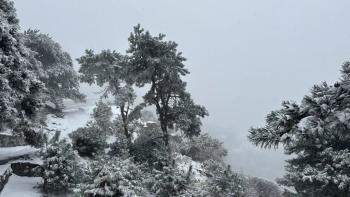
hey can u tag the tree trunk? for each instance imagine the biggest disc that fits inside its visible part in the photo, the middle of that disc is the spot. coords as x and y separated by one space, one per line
166 142
125 127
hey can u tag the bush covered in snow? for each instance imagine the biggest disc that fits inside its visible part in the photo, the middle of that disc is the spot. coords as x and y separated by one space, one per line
167 182
89 140
222 181
62 171
149 147
114 177
202 148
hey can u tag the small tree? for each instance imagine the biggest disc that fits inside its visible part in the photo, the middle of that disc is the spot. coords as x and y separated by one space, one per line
102 114
108 68
156 62
61 168
56 72
316 132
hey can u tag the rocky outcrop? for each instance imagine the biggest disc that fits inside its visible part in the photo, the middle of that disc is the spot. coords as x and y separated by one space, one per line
27 169
4 178
21 169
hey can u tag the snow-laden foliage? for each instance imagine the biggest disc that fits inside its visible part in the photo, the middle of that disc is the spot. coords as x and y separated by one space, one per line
168 182
202 148
32 133
222 181
114 177
149 60
108 69
102 114
317 133
20 90
62 171
149 147
89 141
120 147
57 72
156 62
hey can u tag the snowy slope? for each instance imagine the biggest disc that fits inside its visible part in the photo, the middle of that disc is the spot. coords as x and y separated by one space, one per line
21 186
10 152
76 115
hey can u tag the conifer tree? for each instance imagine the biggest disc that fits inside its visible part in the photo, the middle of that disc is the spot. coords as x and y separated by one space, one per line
156 62
57 72
317 133
20 90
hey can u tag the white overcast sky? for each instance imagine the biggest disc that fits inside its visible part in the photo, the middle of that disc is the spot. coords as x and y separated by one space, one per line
245 57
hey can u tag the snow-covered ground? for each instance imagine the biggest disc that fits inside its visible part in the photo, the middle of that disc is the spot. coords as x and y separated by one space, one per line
10 152
22 187
76 115
19 186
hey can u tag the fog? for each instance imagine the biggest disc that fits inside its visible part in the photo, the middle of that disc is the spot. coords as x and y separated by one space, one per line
245 57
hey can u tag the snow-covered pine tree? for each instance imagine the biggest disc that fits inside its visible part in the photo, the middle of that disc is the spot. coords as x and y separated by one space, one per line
109 69
20 91
317 133
156 62
102 115
57 72
62 171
